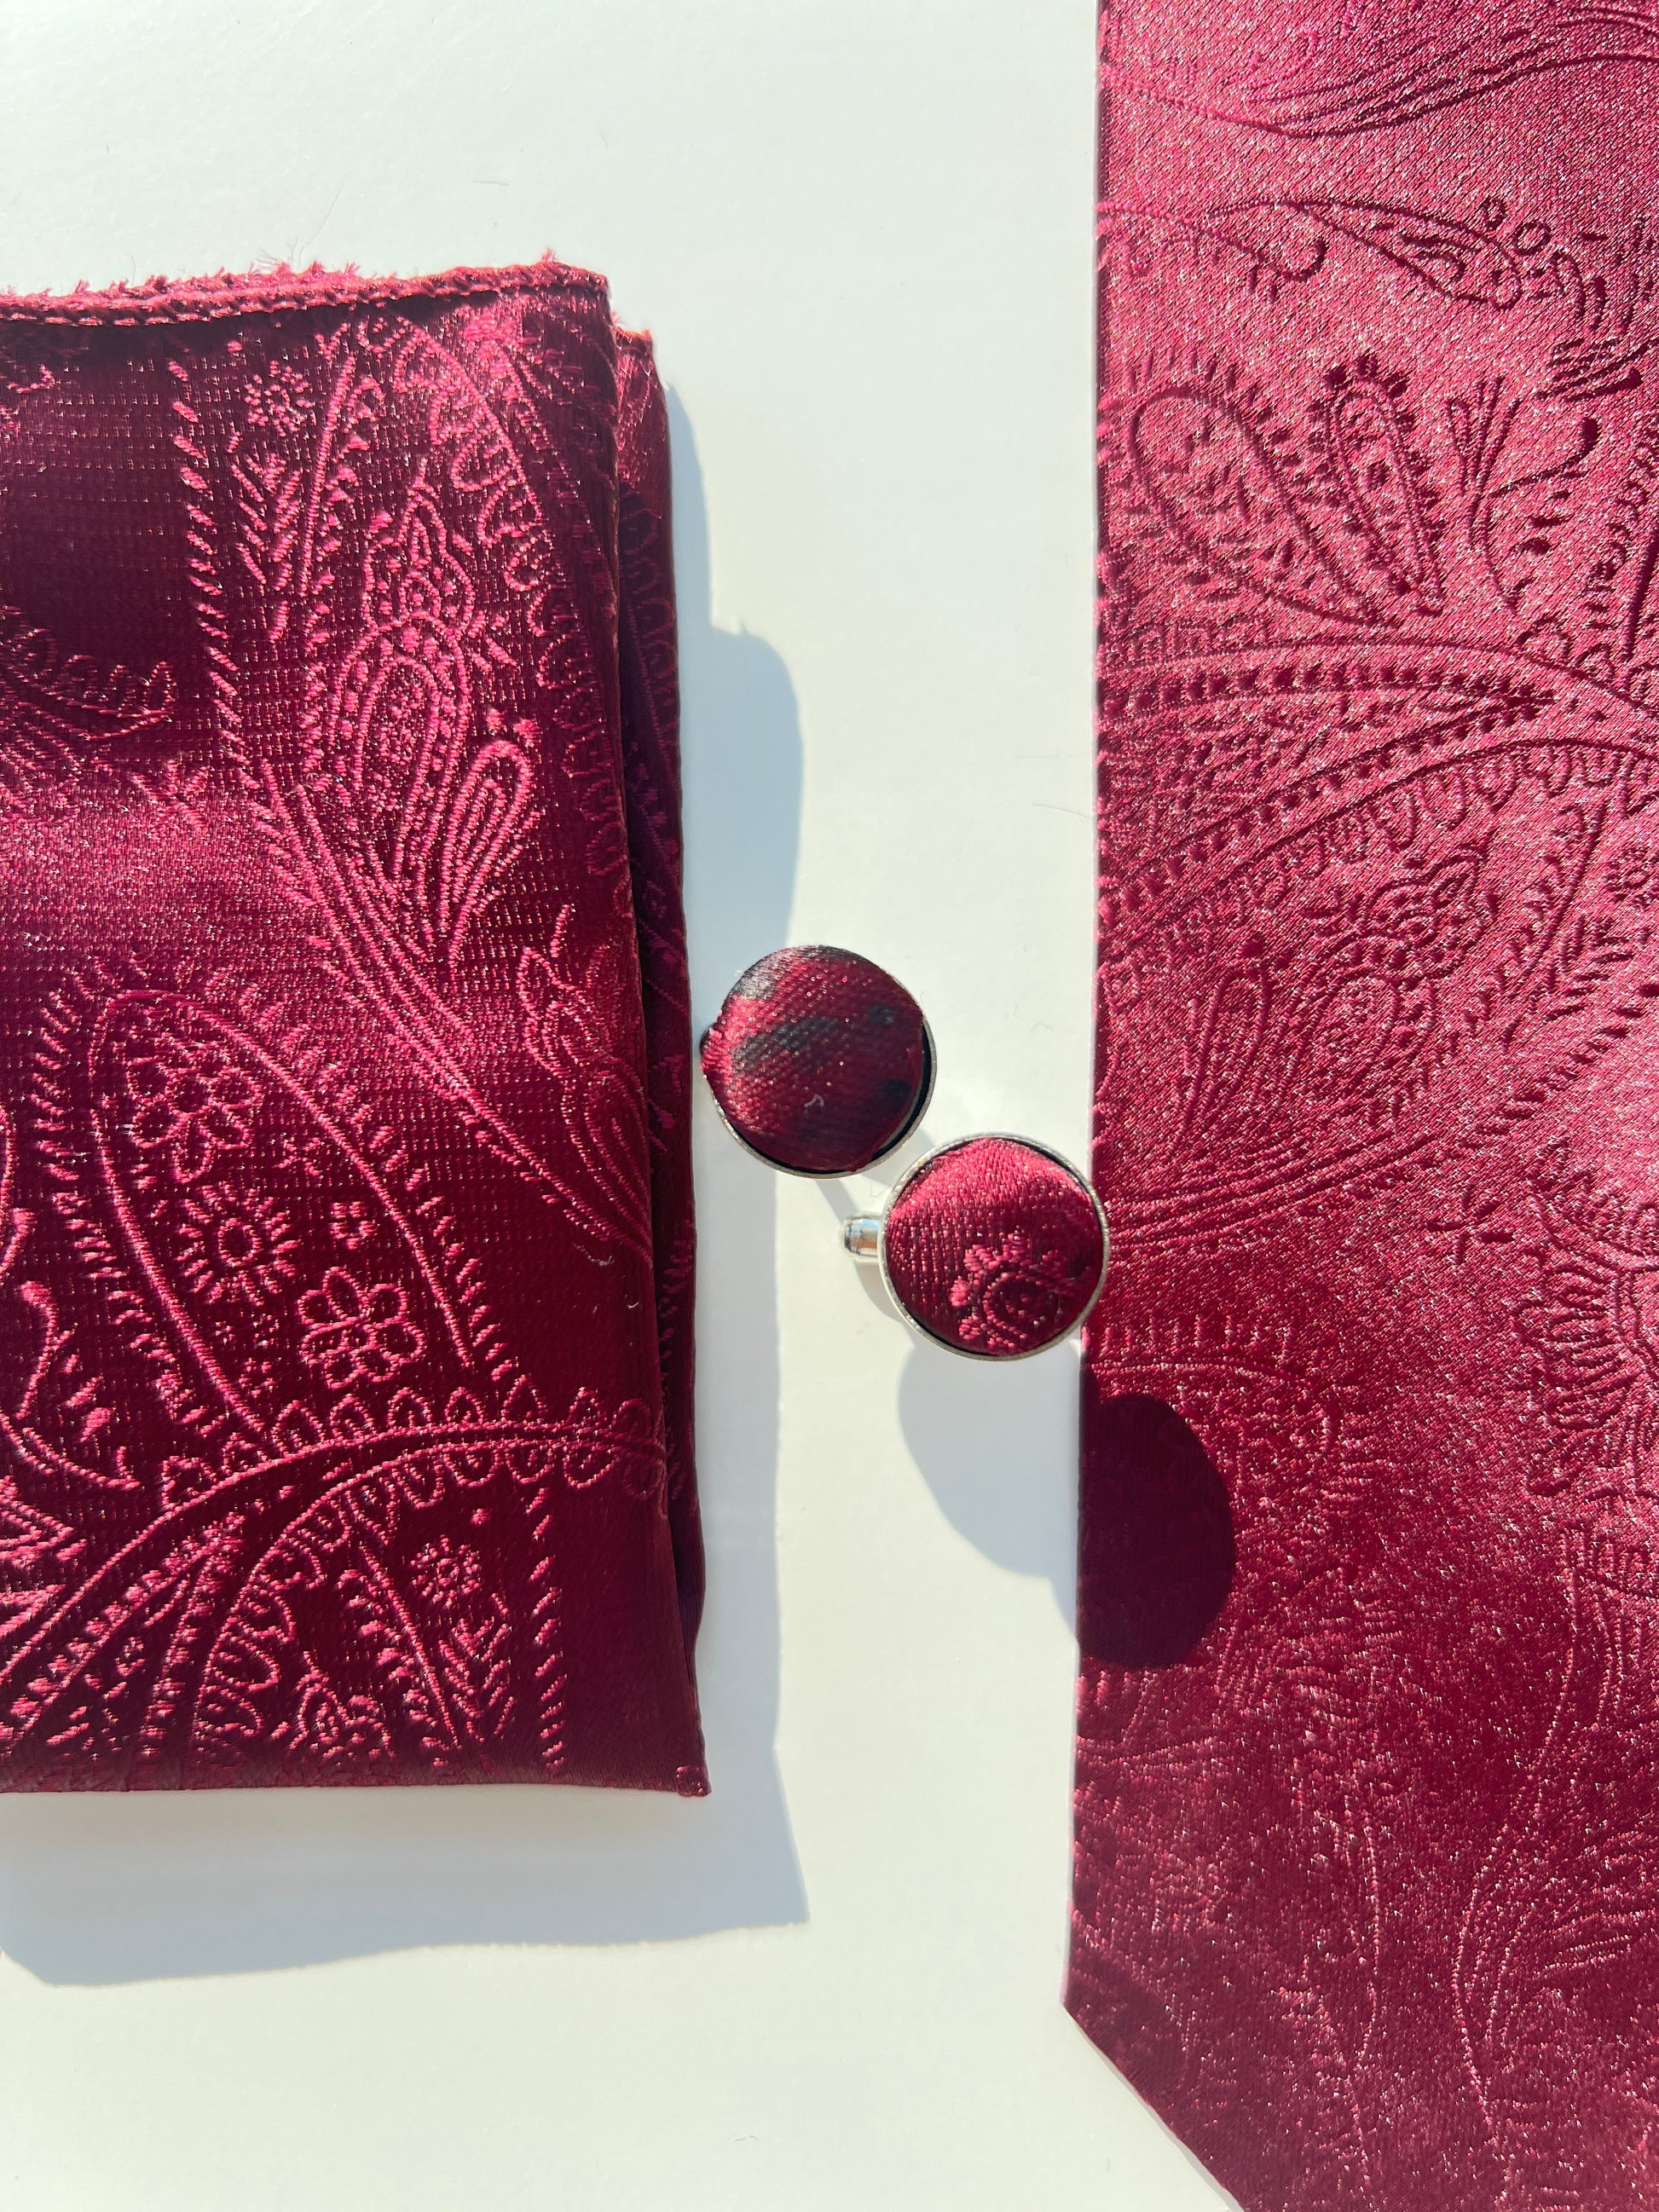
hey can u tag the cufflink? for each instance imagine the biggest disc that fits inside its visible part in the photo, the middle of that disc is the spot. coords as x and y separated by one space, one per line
819 1062
822 1064
993 1247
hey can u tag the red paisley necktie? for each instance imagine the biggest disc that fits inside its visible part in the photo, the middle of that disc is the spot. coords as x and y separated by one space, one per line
1367 1815
346 1229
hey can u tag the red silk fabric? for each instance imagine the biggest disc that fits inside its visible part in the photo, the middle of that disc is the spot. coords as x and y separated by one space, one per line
993 1247
346 1266
1366 1806
818 1059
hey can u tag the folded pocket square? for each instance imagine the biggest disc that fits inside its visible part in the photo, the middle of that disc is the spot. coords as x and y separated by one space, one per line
345 1230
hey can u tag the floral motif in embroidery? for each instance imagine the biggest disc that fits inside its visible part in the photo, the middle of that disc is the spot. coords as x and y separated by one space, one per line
354 1335
282 403
447 1573
235 1246
193 1102
351 1224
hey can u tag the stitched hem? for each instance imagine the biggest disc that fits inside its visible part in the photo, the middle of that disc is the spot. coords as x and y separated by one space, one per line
206 299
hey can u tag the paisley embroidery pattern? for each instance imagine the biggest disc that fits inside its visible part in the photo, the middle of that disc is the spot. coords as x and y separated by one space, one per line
1365 1868
330 1389
1210 472
399 817
1381 480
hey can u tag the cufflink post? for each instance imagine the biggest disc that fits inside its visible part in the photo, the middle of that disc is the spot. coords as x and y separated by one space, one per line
862 1237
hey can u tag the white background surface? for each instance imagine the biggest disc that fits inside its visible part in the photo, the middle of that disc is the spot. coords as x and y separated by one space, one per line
861 233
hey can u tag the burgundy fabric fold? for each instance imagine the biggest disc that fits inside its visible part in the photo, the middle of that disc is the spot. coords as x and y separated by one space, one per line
1368 1709
345 1377
649 669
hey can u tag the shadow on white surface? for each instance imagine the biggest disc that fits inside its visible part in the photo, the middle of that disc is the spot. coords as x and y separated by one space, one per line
99 1889
996 1443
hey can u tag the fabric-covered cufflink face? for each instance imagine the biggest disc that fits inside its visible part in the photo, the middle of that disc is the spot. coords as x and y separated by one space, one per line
993 1247
819 1062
